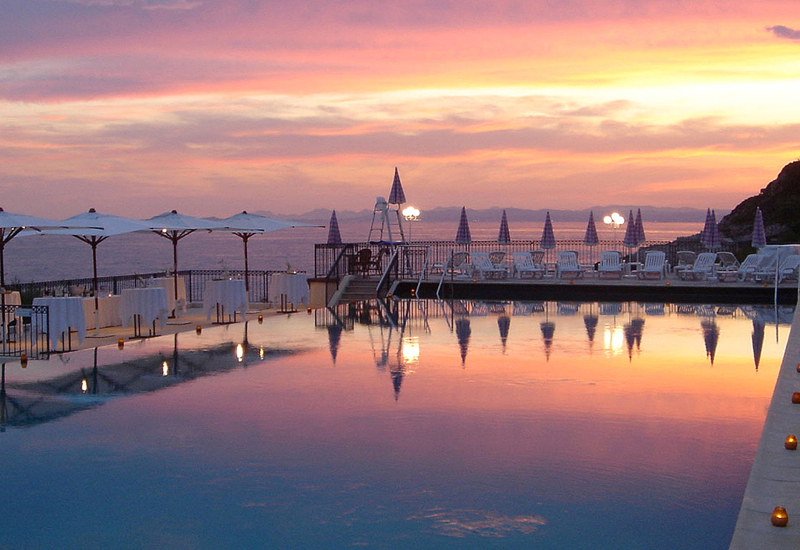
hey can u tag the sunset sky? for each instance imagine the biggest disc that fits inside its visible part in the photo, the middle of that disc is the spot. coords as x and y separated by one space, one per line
136 107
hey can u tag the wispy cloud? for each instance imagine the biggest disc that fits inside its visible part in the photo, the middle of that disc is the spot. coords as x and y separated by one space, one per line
784 32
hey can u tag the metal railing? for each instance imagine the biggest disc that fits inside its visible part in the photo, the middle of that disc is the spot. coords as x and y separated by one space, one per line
24 330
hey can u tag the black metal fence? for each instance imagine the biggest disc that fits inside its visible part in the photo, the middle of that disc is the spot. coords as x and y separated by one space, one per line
24 331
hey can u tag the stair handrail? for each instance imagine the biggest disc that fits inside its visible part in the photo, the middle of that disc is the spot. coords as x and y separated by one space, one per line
445 269
335 264
384 280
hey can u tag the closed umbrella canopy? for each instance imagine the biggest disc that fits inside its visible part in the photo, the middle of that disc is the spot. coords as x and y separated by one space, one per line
548 237
759 233
640 236
504 237
396 195
463 236
710 236
590 237
244 225
334 237
629 241
174 227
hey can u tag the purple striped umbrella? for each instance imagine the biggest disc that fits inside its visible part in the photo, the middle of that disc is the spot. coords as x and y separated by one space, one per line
504 237
463 236
396 195
334 237
640 237
759 233
629 241
548 237
591 238
710 236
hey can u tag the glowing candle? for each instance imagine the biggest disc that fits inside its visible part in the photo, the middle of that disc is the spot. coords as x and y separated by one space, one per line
779 517
790 443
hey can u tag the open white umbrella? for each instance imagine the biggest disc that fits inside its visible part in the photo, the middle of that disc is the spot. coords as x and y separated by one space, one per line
174 227
245 225
93 228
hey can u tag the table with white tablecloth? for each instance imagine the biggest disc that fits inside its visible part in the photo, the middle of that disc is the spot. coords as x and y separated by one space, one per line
143 306
288 288
225 297
168 283
63 314
107 311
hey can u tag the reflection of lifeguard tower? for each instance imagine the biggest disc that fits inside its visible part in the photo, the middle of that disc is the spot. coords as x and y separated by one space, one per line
387 224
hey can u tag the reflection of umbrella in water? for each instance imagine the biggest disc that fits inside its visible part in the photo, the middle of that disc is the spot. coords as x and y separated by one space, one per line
590 320
334 338
548 330
711 337
503 324
246 225
758 340
463 332
174 227
633 335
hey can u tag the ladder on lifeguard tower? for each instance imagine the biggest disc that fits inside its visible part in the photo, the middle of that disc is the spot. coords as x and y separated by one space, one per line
387 225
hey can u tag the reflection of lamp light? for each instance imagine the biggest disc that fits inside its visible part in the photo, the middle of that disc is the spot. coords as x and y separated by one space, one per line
164 368
239 352
84 386
779 517
790 443
614 220
261 353
410 350
411 214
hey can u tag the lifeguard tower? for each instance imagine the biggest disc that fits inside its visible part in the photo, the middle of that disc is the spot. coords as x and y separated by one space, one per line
387 223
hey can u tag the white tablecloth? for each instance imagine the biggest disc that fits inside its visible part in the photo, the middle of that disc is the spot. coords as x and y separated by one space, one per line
149 303
107 312
293 285
230 294
168 284
63 313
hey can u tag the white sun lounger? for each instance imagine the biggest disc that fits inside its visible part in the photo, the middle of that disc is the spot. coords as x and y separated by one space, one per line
482 266
524 266
567 265
610 264
703 267
654 265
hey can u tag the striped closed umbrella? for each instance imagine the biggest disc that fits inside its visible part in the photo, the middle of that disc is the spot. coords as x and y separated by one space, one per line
334 237
710 236
629 241
463 236
640 236
396 195
504 237
759 233
591 238
548 237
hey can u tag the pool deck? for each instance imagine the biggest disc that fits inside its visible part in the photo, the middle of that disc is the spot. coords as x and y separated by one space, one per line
775 475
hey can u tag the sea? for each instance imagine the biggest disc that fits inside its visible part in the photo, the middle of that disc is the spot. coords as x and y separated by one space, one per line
47 257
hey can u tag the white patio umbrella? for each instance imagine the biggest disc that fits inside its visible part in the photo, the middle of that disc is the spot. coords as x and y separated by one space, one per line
174 226
93 228
245 225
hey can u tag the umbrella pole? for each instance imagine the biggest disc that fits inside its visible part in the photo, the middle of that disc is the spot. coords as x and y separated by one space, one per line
96 297
245 238
175 268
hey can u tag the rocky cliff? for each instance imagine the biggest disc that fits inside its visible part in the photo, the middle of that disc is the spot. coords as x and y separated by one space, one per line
780 204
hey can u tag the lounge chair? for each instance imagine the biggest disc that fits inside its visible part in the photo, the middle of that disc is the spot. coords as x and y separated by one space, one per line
654 265
524 266
497 257
567 265
790 269
766 269
686 259
610 264
727 266
703 267
748 267
482 265
454 265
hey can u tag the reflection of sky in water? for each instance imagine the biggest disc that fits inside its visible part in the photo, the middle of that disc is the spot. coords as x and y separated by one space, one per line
565 426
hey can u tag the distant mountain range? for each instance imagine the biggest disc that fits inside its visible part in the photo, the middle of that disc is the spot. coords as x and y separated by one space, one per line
452 213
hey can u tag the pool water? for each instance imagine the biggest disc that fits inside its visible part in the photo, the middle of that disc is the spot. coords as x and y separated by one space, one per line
417 425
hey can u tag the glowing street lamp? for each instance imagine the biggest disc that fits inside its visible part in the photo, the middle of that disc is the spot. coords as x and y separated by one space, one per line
614 220
411 214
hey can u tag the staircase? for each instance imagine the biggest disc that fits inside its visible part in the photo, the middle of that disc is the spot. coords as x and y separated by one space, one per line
354 289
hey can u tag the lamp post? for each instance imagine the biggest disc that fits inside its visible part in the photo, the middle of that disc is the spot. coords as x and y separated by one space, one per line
411 214
614 220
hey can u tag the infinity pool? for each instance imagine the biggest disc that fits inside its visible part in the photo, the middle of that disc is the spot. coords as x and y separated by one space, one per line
418 425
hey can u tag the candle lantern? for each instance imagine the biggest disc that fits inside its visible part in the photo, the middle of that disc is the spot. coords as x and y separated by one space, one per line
796 397
121 343
790 443
23 360
260 319
198 330
779 517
